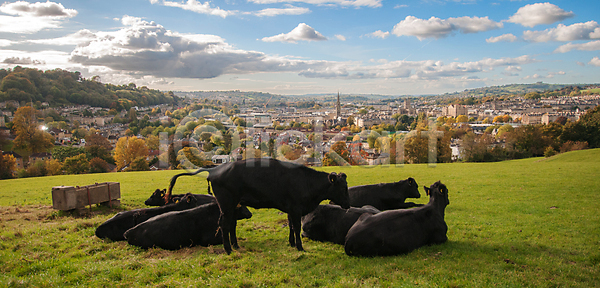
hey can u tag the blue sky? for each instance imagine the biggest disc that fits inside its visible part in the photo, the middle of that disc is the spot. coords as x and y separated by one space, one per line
307 46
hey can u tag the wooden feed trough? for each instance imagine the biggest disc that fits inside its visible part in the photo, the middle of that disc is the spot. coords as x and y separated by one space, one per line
70 198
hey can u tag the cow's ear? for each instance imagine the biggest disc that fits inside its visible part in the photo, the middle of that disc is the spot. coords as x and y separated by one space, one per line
332 177
426 190
343 175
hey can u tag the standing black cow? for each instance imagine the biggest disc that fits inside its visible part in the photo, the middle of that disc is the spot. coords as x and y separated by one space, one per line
401 231
385 196
114 227
331 222
268 183
174 230
158 198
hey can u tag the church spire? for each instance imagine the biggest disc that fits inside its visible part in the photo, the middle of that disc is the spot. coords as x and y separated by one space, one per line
338 108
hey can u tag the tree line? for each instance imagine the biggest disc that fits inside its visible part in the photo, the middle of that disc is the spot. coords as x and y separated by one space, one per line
63 88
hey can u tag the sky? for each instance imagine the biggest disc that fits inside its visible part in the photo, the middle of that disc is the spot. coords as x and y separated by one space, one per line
294 47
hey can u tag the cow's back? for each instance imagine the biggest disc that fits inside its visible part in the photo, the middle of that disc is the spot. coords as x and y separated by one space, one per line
331 222
177 229
393 232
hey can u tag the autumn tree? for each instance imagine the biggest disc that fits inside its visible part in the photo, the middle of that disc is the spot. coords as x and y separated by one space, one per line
128 149
338 155
29 136
462 119
8 164
77 164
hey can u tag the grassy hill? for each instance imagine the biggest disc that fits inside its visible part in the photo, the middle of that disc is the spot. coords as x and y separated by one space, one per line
531 222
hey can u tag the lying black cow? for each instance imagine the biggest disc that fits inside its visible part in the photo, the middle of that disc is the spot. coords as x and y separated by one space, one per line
174 230
401 231
268 183
385 196
114 227
158 198
331 223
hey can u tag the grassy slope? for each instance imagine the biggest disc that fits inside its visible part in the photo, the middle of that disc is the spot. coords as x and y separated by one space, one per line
531 222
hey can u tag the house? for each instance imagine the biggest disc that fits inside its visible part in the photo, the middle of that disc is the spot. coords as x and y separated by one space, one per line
221 159
42 156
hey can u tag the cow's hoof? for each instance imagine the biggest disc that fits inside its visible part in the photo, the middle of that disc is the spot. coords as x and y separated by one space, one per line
235 246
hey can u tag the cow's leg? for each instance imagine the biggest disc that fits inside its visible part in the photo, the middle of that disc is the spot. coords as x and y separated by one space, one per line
296 221
292 239
232 234
225 226
227 205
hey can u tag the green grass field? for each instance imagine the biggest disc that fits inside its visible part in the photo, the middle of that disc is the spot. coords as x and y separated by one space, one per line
523 223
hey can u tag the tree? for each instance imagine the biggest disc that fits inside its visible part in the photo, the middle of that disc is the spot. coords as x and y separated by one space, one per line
61 153
29 137
53 167
416 148
139 164
95 139
77 164
8 165
128 149
462 119
337 155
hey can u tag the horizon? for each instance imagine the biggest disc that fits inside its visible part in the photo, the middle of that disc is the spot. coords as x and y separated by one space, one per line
303 47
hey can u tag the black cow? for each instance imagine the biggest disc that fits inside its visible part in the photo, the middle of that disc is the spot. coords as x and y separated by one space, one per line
158 198
174 230
114 227
385 196
401 231
331 222
268 183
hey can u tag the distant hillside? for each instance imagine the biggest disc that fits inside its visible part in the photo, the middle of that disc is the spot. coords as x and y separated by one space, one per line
511 89
62 88
236 97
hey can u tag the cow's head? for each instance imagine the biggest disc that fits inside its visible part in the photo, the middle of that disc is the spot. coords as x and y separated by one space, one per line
438 191
242 212
338 192
188 200
410 188
157 198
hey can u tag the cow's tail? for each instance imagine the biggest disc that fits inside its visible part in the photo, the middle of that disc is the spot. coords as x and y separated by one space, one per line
174 179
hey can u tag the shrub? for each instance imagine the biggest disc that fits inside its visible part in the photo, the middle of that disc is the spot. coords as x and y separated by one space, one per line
98 165
573 145
549 152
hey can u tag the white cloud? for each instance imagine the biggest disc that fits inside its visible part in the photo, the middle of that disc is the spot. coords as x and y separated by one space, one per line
302 32
38 9
416 70
195 6
340 37
502 38
288 10
79 37
589 46
147 51
400 6
578 31
512 69
547 76
438 28
539 13
33 17
43 60
595 62
5 43
379 34
355 3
